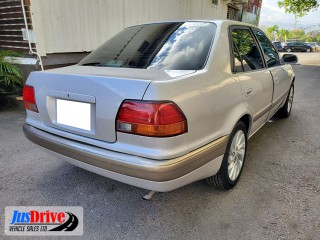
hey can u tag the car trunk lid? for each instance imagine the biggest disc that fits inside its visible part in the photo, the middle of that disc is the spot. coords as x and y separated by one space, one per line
85 100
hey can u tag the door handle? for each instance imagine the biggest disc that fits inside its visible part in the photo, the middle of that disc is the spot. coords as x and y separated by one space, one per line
248 91
276 80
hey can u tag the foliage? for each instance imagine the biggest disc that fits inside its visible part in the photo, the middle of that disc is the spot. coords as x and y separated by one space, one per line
283 34
299 8
298 33
276 34
10 74
243 40
272 31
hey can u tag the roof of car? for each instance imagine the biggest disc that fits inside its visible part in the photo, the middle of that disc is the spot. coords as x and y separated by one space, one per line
216 21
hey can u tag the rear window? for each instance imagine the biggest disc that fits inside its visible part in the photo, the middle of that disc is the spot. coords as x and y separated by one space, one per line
171 46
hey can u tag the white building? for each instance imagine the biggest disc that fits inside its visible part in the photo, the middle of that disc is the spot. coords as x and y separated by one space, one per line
61 31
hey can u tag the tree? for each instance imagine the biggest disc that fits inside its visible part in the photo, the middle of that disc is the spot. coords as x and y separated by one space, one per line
284 34
298 34
272 32
299 8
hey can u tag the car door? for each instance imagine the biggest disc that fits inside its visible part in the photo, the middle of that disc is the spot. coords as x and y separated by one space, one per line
297 47
302 47
255 79
280 72
290 46
306 46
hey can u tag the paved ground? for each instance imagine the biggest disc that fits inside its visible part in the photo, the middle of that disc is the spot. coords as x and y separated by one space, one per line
278 196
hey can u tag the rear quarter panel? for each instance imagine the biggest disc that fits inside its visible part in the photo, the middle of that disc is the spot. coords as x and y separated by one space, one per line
211 98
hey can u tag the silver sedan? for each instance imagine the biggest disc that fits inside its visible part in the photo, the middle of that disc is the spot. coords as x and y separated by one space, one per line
162 105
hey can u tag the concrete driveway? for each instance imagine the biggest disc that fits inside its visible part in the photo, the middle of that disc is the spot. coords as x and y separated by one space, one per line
278 196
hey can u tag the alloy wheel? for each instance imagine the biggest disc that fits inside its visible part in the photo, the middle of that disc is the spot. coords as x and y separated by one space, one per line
290 100
236 155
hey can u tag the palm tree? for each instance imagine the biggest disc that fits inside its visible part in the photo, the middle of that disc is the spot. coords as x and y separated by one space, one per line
10 74
272 32
284 34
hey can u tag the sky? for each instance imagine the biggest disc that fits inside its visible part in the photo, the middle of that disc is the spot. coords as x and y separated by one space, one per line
271 14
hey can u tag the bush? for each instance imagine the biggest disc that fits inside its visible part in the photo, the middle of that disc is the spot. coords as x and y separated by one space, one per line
10 74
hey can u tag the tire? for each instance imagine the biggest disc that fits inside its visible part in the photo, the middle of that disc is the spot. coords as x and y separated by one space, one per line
308 50
226 179
285 111
289 50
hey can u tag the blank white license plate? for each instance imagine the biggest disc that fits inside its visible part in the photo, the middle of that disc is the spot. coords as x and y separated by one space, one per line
74 114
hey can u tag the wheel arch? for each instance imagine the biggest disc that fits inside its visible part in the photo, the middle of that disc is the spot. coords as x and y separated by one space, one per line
239 113
247 121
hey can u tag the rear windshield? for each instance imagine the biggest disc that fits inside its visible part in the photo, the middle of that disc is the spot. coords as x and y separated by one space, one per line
171 46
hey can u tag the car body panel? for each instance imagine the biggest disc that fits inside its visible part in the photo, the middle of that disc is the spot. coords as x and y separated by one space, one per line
130 165
315 47
282 77
190 94
103 94
257 89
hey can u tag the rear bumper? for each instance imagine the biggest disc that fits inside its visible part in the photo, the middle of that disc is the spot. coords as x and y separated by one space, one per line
158 175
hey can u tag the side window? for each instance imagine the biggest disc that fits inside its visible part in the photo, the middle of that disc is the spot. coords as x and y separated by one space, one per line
237 59
248 52
270 53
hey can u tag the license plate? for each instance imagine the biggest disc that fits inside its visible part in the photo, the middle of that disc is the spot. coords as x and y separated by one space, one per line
74 114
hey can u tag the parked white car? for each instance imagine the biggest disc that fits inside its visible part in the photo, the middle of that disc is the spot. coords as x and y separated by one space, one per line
162 105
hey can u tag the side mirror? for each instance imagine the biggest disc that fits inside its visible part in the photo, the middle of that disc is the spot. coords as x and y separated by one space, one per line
289 58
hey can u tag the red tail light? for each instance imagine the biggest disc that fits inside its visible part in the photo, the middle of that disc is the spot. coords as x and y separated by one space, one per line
29 98
149 118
